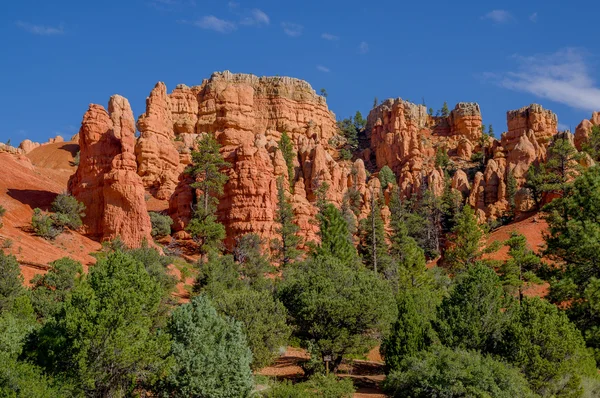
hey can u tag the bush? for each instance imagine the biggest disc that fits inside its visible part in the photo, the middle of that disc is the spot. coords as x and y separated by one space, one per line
447 373
386 177
43 225
68 212
339 308
263 318
318 386
345 154
161 224
212 358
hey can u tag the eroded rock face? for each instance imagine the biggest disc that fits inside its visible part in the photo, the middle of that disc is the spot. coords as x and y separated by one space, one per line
106 180
157 156
247 115
534 117
584 129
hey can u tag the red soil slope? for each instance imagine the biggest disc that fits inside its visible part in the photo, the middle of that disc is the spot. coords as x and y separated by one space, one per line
533 229
25 186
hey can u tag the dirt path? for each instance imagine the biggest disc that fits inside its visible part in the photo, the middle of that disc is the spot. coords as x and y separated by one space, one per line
365 374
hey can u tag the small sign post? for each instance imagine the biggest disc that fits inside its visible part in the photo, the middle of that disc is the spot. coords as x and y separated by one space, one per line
327 359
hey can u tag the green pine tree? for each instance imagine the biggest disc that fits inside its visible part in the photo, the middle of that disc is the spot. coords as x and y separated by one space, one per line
336 240
207 163
520 267
285 248
287 149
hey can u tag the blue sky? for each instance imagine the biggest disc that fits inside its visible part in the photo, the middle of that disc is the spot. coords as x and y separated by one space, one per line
59 56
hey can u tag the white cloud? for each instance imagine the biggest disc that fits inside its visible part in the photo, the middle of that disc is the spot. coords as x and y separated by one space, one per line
292 29
323 68
329 36
233 5
562 127
40 29
171 5
211 22
533 17
363 47
499 16
562 77
257 17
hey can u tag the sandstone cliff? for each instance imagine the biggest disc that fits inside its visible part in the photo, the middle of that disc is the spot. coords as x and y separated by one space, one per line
106 180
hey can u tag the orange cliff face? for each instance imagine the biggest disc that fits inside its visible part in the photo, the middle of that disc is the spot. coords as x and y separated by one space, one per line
118 174
106 181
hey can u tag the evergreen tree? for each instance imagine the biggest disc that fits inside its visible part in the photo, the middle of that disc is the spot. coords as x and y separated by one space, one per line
547 348
592 144
562 164
263 320
50 290
287 150
335 237
11 281
386 176
336 307
471 317
207 163
468 238
443 372
491 131
431 211
286 247
408 259
373 247
359 121
535 183
253 265
442 159
413 330
520 267
573 242
445 111
107 337
348 129
211 355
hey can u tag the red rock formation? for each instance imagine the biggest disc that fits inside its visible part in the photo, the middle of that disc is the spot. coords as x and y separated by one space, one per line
157 157
247 115
534 117
584 129
106 180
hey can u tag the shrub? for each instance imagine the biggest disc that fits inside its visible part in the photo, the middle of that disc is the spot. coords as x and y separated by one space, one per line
212 358
43 225
340 308
345 154
386 176
447 373
161 224
68 212
263 319
318 386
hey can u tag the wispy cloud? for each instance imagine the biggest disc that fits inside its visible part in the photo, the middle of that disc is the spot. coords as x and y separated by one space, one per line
562 77
499 16
210 22
363 47
256 18
323 68
563 127
233 5
41 29
329 36
533 17
292 29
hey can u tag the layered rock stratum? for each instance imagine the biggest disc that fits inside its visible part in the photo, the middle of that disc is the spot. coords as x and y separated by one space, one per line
119 177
